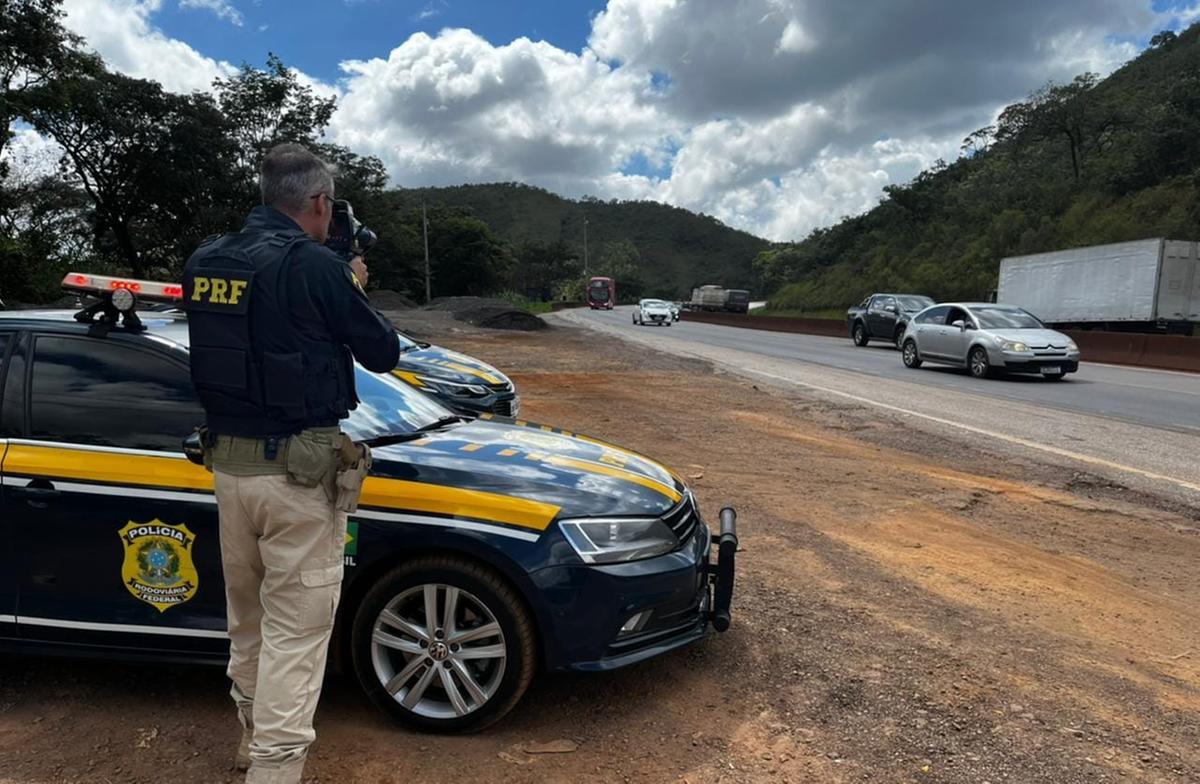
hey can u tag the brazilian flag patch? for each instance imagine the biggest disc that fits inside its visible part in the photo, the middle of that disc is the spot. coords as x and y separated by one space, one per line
351 538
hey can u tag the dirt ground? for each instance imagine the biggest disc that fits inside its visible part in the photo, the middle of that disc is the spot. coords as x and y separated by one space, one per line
908 609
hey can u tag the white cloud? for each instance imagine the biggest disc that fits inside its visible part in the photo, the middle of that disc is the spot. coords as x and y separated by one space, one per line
454 107
121 32
224 9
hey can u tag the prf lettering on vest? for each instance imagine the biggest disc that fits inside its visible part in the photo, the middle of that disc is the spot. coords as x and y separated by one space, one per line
218 291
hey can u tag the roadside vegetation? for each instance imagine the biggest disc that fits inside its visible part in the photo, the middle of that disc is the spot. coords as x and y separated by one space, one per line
1085 163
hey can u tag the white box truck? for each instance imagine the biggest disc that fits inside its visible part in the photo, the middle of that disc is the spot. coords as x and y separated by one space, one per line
1146 285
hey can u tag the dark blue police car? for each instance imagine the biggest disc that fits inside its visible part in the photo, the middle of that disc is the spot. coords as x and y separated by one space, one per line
505 545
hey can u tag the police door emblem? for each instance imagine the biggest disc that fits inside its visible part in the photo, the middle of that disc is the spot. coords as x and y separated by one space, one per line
158 566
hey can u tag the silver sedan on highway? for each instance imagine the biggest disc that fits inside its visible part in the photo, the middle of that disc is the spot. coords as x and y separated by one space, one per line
987 337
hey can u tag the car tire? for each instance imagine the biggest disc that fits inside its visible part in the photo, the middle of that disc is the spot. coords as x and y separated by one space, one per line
899 337
859 335
909 354
391 645
978 364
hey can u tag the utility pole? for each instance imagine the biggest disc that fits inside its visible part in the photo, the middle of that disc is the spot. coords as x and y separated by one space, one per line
585 258
425 234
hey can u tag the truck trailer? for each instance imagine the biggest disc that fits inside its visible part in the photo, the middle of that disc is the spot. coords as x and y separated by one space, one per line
1141 286
718 298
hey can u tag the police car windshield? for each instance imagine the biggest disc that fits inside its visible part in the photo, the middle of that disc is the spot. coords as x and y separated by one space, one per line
389 407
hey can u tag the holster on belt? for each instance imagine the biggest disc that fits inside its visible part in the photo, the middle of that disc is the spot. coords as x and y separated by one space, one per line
355 463
207 440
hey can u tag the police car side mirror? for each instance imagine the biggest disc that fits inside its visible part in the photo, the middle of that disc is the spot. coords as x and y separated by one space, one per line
193 450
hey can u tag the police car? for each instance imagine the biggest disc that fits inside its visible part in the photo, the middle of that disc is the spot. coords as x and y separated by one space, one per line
483 550
463 383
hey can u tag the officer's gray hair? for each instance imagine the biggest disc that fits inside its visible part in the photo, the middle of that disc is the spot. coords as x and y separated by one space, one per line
291 176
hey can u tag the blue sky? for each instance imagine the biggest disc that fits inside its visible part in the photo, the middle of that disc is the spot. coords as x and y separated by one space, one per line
775 116
315 36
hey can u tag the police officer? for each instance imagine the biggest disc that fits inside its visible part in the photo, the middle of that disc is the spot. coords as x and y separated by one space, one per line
275 321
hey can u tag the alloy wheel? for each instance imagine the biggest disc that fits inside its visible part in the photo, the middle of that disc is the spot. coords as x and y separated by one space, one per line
438 651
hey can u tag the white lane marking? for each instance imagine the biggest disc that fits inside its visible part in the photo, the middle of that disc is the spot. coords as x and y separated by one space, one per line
984 432
127 628
396 517
1097 461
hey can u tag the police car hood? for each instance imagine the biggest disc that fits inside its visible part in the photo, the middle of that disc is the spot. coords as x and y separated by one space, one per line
442 363
572 475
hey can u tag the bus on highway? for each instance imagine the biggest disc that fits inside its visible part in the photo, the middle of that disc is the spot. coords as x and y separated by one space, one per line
601 293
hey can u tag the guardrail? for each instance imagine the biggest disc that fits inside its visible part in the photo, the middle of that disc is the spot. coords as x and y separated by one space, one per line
1168 352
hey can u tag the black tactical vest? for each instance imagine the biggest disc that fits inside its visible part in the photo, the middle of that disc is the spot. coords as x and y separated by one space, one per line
255 373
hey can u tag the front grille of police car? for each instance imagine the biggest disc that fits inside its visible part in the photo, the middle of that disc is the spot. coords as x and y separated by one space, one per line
682 519
502 408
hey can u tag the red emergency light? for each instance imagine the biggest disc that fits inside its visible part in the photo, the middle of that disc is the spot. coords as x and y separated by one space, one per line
101 285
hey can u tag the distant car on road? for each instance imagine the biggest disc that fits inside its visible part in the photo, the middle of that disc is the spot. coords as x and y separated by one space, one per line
987 337
675 308
884 317
653 311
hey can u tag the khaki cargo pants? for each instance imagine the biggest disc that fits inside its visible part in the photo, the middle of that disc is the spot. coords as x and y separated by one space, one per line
281 547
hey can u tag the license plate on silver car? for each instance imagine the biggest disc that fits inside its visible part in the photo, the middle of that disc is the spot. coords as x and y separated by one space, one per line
1051 370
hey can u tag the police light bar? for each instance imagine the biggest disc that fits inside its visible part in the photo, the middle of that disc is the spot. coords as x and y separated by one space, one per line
106 285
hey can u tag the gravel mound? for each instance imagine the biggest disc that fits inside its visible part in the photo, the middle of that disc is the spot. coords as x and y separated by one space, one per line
386 299
487 313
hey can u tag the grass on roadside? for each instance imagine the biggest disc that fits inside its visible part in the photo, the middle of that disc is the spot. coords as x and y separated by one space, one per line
525 303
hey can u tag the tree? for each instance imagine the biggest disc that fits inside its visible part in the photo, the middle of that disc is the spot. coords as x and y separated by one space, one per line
1163 39
35 50
154 165
1069 112
541 266
465 257
268 107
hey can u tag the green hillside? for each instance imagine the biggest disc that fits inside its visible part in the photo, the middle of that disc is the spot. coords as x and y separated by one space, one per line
1089 162
676 249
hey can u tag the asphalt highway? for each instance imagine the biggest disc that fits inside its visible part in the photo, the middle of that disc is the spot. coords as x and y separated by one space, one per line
1123 419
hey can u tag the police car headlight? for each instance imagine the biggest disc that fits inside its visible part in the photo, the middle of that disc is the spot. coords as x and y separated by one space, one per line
453 388
616 539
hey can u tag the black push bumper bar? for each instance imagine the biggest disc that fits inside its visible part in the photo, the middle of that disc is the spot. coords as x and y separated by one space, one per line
720 574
